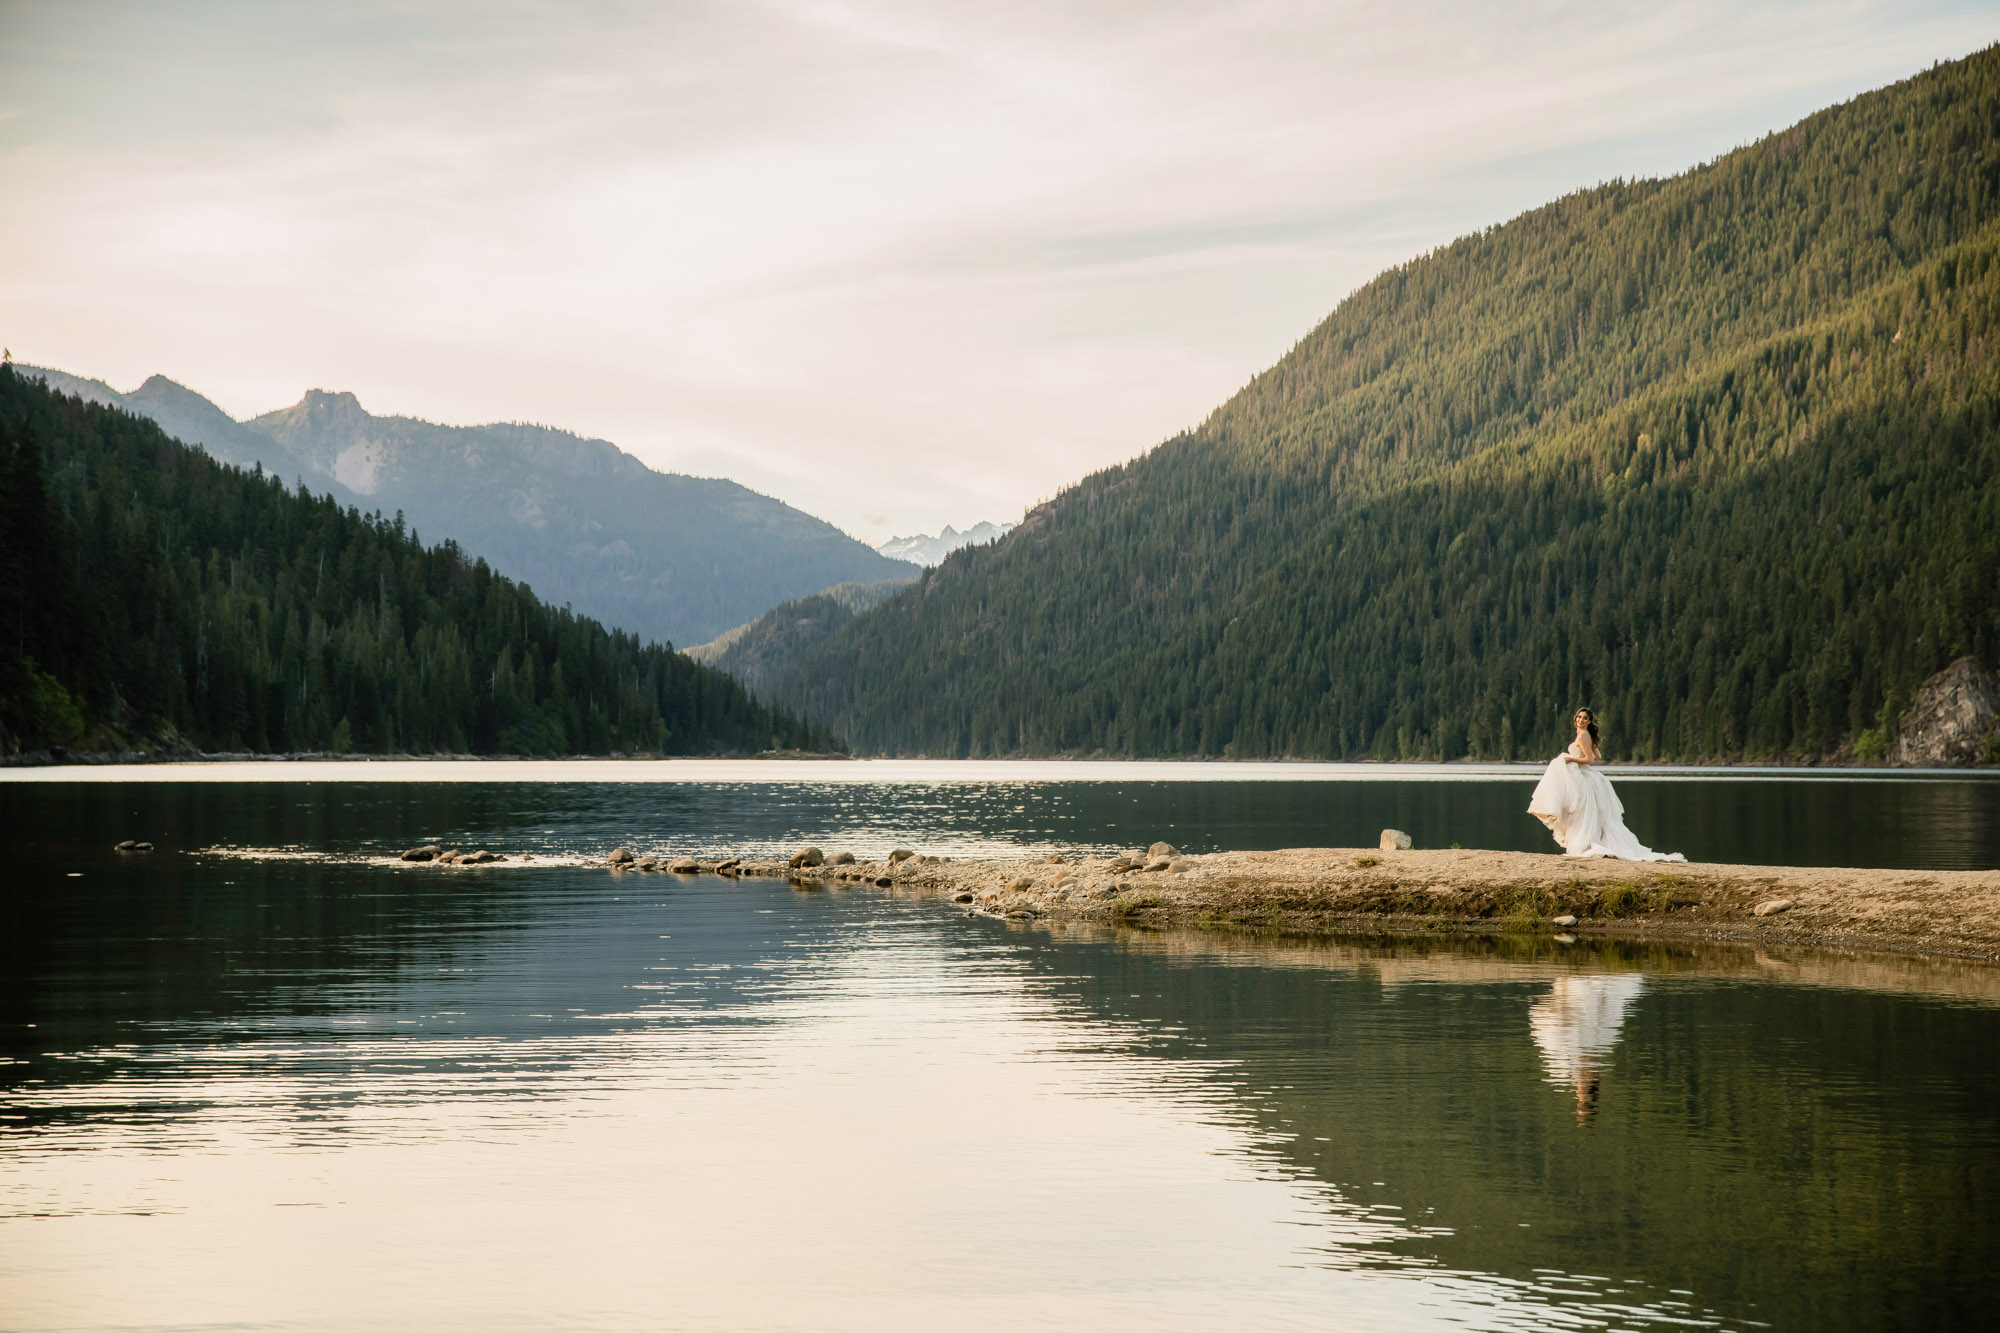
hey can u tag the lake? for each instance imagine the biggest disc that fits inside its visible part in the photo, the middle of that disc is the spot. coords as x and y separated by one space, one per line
263 1078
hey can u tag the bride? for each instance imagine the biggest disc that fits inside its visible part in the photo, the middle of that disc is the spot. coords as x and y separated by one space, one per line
1576 801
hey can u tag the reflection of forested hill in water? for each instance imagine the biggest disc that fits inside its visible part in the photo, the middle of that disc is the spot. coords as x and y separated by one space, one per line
1818 1158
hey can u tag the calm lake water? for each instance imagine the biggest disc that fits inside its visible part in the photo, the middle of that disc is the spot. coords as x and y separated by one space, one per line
261 1079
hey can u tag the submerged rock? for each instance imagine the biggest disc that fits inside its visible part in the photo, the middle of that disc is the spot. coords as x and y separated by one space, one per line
1395 840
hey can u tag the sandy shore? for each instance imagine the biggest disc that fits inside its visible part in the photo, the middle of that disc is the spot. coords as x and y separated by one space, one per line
1325 889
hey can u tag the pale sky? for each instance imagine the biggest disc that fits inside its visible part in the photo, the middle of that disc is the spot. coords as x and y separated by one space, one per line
898 264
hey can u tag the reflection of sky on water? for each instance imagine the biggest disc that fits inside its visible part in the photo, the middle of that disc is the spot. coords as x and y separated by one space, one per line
727 1106
543 1096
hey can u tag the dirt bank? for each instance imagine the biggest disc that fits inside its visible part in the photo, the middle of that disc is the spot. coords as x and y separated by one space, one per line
1331 888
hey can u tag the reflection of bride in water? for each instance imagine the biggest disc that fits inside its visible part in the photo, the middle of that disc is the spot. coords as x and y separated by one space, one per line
1576 1024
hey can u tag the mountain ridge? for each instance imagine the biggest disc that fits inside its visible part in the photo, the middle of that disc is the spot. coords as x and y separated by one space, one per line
666 555
159 597
1645 446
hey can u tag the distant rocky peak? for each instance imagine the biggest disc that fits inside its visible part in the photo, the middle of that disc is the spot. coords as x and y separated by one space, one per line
927 550
336 403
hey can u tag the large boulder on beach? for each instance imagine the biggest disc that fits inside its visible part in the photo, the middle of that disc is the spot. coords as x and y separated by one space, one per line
1162 849
900 855
1952 720
1395 840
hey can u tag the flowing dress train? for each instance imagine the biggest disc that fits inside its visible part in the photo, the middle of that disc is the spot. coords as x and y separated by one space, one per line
1585 815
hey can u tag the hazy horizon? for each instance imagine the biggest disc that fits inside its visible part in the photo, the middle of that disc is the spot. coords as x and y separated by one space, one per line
897 267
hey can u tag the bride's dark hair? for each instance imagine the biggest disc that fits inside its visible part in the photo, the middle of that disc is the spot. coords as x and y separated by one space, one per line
1591 723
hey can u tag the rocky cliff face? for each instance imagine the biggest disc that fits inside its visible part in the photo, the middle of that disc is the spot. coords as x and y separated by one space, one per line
1953 719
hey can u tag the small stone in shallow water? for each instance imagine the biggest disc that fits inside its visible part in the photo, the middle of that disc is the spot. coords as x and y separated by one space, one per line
1773 906
648 862
963 898
841 859
687 865
807 856
620 856
900 854
732 866
1565 920
421 854
126 846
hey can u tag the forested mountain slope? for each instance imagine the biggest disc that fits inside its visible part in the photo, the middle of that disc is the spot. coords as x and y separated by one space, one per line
150 594
1718 455
583 523
753 653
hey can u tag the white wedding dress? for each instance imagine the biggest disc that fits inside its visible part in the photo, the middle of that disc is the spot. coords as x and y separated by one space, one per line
1578 805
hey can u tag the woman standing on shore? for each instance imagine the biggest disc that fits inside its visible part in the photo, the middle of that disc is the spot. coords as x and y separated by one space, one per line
1576 801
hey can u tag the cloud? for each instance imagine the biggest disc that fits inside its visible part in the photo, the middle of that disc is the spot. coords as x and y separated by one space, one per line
901 264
